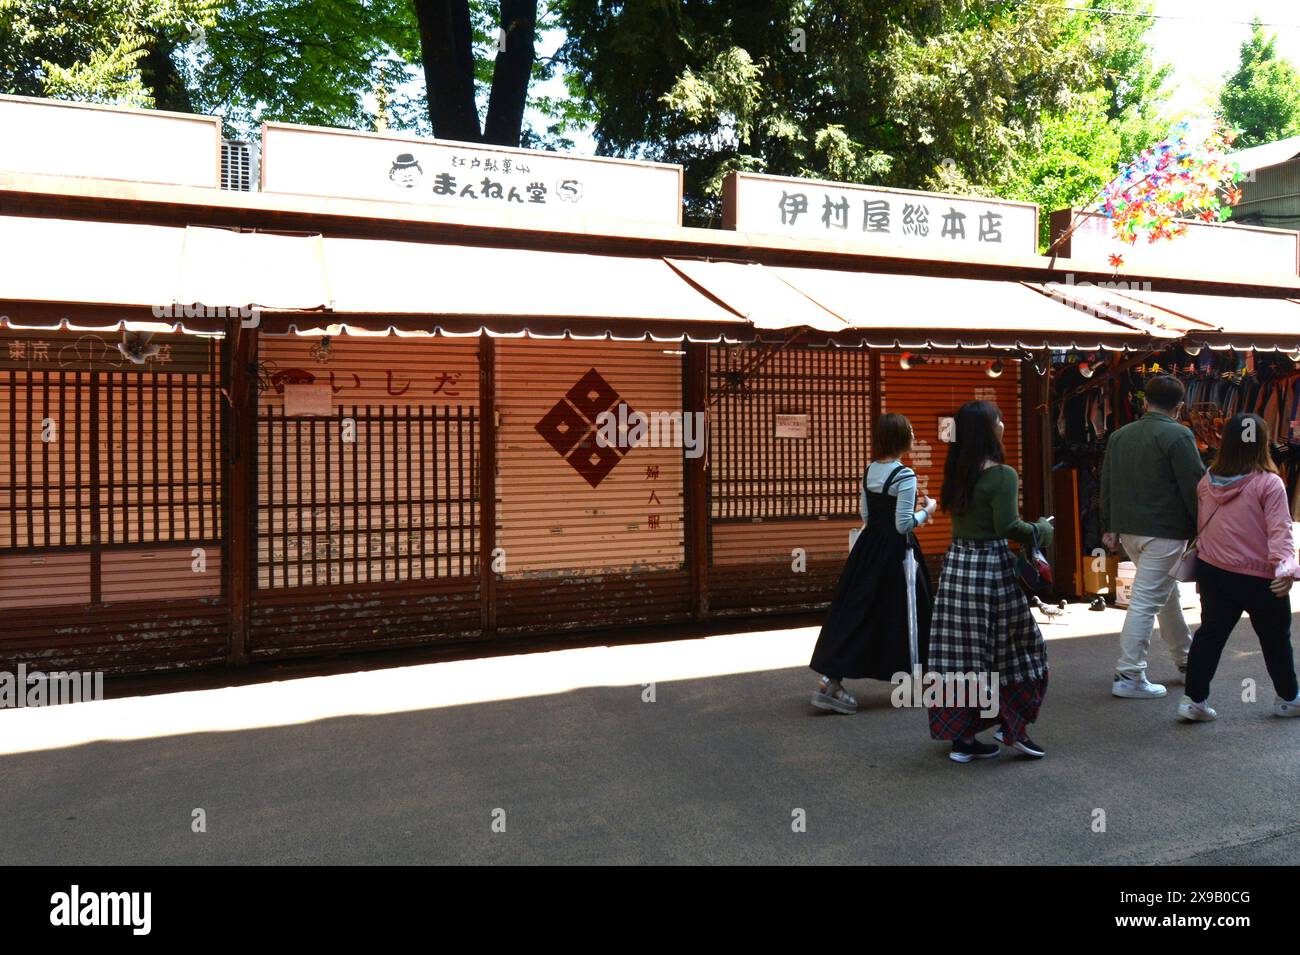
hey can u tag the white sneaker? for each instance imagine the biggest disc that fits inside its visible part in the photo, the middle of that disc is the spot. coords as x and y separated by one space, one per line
1136 688
1201 712
1283 707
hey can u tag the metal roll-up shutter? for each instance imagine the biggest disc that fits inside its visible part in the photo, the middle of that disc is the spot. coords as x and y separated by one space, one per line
367 493
790 438
927 392
110 501
591 535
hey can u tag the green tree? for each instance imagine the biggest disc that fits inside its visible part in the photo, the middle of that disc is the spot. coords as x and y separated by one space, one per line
1261 98
1071 155
943 94
110 51
435 65
320 63
1077 148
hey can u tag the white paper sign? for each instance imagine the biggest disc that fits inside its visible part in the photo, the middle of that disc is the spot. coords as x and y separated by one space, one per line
1220 246
847 212
308 400
334 162
57 138
947 430
792 426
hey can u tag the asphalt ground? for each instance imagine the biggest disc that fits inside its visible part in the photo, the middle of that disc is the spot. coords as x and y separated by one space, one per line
563 757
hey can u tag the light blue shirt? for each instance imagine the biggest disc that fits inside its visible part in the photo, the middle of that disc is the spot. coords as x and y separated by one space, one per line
906 517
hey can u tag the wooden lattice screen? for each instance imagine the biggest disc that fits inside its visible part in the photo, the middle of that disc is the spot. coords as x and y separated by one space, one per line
756 475
367 495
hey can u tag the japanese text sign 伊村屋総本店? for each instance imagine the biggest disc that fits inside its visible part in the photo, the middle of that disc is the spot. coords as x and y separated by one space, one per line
845 212
306 160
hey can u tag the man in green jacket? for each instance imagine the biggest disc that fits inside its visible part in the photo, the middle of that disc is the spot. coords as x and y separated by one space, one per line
1148 503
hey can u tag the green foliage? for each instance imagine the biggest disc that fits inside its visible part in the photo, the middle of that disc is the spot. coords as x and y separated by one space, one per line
319 62
1261 98
952 95
1071 155
306 61
94 50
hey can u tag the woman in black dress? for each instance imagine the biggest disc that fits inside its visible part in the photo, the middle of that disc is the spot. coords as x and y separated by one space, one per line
879 620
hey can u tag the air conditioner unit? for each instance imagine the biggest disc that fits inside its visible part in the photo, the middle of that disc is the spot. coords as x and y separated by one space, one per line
238 166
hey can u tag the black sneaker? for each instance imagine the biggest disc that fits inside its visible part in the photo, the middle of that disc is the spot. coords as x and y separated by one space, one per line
1024 744
965 752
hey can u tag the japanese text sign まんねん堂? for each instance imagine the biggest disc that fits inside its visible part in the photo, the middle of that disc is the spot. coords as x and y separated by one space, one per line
340 163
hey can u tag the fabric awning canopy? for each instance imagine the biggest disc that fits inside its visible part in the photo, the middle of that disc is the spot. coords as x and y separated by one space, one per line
129 275
760 295
252 269
1244 322
382 277
189 278
918 310
48 263
1114 306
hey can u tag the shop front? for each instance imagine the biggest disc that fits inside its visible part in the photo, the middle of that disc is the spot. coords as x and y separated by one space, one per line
275 424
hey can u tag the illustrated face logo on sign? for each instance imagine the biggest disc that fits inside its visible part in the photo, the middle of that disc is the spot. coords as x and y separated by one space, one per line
570 428
406 171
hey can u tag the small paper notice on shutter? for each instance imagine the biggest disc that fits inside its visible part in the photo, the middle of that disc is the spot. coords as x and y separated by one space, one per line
308 400
792 426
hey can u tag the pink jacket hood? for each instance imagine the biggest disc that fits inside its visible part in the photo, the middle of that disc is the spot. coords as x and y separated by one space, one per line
1245 525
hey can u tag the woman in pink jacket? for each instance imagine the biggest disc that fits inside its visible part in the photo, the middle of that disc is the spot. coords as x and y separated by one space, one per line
1247 565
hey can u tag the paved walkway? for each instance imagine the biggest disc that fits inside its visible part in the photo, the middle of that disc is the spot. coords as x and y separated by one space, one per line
410 765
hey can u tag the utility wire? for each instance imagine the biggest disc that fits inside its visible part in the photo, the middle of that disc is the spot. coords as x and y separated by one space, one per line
1150 16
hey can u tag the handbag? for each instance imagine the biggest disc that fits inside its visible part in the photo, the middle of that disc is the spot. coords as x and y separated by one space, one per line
1033 568
1185 570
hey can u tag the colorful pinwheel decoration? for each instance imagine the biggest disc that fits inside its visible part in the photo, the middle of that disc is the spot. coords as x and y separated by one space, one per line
1179 180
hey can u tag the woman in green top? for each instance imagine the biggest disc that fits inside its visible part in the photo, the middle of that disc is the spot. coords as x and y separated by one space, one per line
982 628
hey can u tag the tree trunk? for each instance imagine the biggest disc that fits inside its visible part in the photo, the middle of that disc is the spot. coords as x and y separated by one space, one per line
160 77
511 73
446 49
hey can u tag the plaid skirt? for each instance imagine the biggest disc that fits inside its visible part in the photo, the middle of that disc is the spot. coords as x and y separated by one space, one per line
982 622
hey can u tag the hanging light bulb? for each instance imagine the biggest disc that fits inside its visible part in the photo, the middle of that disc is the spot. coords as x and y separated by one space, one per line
321 350
138 347
995 368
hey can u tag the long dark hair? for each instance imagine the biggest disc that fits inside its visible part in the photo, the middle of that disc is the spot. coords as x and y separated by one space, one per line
977 442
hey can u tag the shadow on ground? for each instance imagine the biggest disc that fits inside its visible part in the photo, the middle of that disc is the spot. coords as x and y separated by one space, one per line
710 772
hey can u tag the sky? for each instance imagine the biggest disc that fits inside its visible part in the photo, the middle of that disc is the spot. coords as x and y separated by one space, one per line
1202 39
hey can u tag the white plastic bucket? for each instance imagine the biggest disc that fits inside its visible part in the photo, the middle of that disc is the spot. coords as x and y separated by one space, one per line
1124 582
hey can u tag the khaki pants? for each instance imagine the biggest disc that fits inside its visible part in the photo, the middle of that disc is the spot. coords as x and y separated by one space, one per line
1155 597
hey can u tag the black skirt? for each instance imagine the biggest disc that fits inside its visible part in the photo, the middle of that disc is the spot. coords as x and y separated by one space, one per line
872 631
